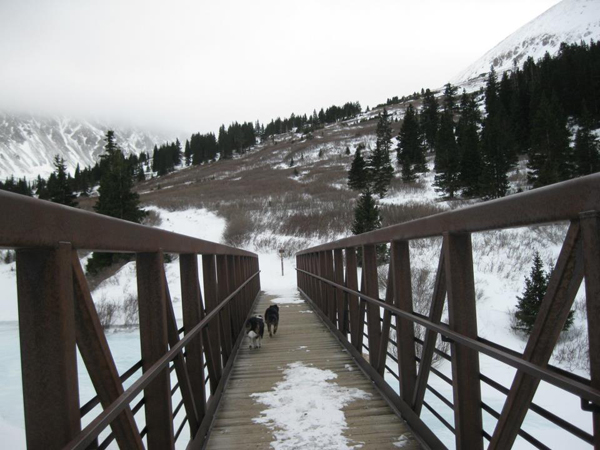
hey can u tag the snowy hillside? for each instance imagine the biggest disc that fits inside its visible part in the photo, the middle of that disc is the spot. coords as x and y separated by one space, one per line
28 144
570 21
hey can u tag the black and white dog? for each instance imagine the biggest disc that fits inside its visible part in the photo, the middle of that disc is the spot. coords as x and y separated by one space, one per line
272 318
255 328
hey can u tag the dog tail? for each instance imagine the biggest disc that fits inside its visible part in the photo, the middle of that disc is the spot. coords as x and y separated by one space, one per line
252 335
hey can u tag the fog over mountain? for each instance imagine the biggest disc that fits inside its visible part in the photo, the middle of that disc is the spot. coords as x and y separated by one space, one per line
28 144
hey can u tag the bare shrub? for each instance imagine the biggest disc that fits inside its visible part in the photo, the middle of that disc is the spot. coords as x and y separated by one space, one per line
152 218
239 229
573 349
382 277
106 310
423 280
130 310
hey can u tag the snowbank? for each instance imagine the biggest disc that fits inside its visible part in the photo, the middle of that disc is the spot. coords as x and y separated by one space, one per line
305 409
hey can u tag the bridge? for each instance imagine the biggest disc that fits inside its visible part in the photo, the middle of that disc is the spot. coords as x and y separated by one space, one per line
338 324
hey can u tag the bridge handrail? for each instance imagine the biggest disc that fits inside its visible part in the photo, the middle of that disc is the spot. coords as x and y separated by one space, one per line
576 387
554 203
327 276
104 419
57 315
29 222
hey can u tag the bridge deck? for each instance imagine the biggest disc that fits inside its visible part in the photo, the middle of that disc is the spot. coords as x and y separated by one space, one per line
370 423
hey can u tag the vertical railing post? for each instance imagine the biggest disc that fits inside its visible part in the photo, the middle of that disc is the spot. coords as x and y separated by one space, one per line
313 268
563 285
338 278
209 276
405 329
317 283
191 303
329 289
590 228
353 302
183 377
223 291
241 298
465 361
48 353
256 269
371 289
436 310
235 313
322 295
153 336
247 289
98 359
298 273
386 326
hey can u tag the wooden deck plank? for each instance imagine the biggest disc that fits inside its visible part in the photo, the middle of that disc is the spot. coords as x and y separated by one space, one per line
301 338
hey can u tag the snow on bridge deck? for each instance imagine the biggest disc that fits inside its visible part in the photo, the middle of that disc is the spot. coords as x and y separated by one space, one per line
302 390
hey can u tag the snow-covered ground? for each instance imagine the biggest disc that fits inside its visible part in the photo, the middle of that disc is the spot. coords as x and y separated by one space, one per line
502 259
123 341
305 409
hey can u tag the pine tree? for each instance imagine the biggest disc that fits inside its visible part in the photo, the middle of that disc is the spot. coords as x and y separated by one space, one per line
41 188
410 152
467 140
586 150
550 159
366 214
60 189
380 167
447 159
430 119
187 153
357 175
116 198
498 146
491 92
529 304
450 98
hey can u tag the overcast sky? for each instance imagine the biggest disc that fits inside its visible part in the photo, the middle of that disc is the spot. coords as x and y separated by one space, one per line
192 65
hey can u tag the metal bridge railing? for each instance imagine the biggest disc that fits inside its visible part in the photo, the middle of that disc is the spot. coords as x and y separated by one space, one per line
57 316
328 277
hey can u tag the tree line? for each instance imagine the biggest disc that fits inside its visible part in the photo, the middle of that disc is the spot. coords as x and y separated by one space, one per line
545 111
60 181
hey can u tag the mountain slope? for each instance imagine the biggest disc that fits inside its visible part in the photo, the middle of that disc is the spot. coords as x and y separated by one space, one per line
28 144
569 21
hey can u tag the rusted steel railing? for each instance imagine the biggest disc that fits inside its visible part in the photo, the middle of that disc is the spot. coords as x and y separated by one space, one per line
57 316
327 277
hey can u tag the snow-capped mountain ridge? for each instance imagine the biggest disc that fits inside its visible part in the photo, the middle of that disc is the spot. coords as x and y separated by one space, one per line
28 143
570 21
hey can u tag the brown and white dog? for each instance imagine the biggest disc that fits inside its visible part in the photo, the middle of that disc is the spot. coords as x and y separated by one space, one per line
255 328
272 318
